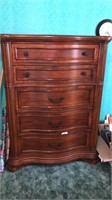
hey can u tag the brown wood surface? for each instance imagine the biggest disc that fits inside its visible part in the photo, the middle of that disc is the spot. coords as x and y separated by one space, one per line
53 90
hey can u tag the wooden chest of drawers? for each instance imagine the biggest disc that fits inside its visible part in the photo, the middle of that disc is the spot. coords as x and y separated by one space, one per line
53 89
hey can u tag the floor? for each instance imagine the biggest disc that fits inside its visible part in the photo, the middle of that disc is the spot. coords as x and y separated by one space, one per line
75 180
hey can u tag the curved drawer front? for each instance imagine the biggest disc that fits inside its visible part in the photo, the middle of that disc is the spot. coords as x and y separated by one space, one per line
54 52
59 144
53 122
54 73
30 98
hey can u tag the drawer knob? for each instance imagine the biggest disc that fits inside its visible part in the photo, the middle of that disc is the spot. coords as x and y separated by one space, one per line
26 53
84 53
26 74
56 145
59 100
83 73
56 125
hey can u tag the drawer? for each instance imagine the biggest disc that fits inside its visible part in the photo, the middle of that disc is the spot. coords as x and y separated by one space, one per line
33 52
29 123
50 145
33 98
50 74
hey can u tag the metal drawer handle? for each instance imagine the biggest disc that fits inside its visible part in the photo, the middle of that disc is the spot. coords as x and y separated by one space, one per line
84 53
56 145
26 53
26 74
56 125
56 100
83 73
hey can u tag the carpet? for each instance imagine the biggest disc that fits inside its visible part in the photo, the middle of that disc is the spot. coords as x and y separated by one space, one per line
74 180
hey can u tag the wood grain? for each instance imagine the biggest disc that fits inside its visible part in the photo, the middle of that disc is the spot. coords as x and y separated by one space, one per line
53 90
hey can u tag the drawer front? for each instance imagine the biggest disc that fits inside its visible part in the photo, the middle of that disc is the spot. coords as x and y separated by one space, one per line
30 98
59 144
53 122
33 74
54 52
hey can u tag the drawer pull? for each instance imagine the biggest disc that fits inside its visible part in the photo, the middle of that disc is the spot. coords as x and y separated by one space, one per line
26 53
83 73
56 125
26 74
84 53
56 145
56 100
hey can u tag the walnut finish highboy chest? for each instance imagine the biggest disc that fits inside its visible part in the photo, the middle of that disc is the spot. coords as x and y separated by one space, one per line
53 90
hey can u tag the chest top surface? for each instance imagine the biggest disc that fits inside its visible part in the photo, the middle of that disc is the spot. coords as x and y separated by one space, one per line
58 38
